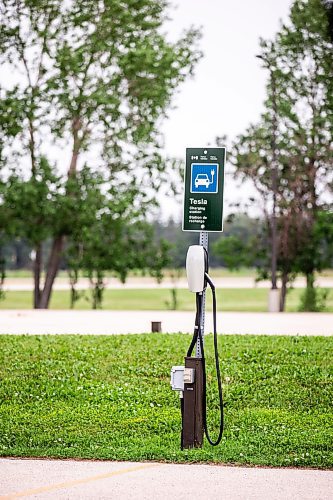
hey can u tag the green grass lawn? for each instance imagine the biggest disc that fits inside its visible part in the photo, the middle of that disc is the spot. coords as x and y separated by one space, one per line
228 299
109 398
217 272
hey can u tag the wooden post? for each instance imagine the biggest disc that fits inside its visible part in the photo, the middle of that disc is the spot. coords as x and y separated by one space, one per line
156 326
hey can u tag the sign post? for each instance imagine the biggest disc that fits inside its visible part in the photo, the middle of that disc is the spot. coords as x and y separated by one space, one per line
202 212
203 200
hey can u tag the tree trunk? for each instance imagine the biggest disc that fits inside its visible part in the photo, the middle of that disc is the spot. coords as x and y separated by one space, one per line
310 280
283 291
309 298
52 269
97 289
19 260
73 279
37 271
58 242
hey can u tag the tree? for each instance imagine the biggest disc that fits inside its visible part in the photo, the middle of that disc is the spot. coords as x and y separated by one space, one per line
306 56
98 79
239 246
301 70
120 241
234 252
252 156
31 210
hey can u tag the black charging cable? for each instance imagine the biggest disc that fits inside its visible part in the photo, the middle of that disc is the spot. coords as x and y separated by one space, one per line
218 372
198 335
197 327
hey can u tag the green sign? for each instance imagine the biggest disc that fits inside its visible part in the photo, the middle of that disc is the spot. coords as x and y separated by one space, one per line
203 193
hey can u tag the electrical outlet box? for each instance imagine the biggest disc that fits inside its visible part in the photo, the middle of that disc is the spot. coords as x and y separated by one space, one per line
177 378
180 376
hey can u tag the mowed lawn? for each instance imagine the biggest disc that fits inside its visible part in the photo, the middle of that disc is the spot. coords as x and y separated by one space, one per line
228 299
110 398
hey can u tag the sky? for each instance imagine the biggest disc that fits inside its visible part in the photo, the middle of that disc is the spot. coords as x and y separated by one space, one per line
228 89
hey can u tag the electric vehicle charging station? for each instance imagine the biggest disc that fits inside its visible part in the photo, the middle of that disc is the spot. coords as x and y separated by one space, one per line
203 213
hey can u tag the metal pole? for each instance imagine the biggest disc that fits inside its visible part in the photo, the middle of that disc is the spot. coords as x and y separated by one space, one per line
203 241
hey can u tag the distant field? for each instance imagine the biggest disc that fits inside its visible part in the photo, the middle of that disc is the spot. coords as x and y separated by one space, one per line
218 272
229 299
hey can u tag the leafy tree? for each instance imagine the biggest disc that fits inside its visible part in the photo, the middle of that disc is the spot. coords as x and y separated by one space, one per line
97 78
242 242
234 252
298 121
306 56
30 207
120 242
322 250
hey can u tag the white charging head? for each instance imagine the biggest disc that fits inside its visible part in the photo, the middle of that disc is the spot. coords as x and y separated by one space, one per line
195 268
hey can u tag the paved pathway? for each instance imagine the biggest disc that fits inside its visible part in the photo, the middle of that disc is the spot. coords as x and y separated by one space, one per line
50 479
117 322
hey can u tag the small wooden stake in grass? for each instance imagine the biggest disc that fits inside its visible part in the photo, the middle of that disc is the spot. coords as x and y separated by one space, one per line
156 326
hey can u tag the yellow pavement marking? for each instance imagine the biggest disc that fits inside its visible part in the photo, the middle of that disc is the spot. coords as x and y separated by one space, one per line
74 482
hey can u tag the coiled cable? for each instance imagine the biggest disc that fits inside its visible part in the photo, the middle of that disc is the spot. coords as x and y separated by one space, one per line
197 334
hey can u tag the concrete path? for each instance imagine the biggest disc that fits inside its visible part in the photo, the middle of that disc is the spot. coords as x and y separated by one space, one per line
26 284
117 322
50 479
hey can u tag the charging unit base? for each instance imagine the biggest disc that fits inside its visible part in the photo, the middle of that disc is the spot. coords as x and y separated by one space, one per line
190 380
192 424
